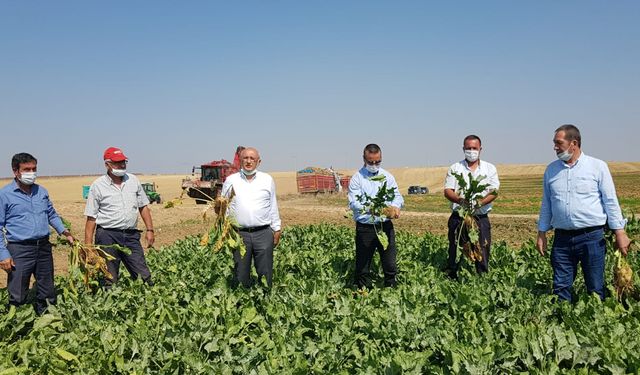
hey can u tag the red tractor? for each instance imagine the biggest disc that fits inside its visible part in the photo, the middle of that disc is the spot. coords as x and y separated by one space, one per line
206 180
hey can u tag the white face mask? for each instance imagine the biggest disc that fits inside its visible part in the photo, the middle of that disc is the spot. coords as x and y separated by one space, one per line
248 173
471 155
119 172
373 168
565 155
28 178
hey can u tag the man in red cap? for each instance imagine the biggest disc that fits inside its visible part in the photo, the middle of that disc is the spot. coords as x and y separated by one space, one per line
112 217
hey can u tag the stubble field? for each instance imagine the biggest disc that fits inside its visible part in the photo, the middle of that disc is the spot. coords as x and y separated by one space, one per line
513 218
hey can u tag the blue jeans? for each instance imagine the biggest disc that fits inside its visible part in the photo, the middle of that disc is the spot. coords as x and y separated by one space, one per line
585 247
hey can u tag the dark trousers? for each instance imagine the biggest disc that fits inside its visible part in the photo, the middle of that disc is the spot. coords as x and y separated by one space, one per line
484 227
134 263
367 244
586 247
259 246
32 259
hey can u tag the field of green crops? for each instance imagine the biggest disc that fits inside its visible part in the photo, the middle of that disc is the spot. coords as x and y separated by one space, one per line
313 321
518 195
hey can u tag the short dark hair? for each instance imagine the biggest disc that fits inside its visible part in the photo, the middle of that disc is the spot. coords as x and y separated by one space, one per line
571 133
471 137
21 158
371 148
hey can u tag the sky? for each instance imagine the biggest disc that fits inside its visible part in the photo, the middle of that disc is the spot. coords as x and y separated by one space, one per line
310 83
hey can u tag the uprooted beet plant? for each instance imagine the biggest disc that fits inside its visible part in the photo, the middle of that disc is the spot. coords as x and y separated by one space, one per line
472 191
378 207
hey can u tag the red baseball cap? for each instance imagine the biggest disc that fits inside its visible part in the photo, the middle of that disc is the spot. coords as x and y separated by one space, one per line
114 154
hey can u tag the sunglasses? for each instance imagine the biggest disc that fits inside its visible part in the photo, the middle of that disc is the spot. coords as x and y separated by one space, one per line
373 162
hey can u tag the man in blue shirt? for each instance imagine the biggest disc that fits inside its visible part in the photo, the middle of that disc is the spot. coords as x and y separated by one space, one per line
25 215
578 198
368 181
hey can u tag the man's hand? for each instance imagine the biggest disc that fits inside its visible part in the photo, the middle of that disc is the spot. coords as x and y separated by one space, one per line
71 239
541 242
391 212
151 238
476 205
7 265
276 238
622 241
217 202
462 202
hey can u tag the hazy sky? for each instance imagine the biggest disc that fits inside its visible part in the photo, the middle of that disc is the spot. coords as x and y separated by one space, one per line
311 82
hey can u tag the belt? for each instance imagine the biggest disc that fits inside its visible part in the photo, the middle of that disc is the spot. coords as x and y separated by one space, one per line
367 225
36 242
254 229
575 232
480 216
120 230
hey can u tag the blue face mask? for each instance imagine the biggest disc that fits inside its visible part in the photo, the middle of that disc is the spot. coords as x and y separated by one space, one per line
248 173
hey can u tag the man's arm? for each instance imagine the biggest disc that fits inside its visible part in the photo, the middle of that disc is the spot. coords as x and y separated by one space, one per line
145 212
492 189
450 186
355 189
615 220
544 218
451 195
275 215
6 261
56 222
89 230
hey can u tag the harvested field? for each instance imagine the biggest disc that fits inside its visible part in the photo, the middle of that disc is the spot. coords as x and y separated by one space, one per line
513 219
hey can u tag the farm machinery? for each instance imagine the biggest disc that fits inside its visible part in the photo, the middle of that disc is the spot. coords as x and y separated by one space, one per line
205 182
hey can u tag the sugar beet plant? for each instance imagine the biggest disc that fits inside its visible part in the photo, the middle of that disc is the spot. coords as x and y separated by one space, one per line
467 234
378 206
622 271
224 231
312 322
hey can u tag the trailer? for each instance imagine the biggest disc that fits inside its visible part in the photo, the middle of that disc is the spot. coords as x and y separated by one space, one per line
320 180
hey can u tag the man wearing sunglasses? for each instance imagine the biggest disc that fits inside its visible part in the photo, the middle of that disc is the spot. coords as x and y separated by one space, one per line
113 204
368 180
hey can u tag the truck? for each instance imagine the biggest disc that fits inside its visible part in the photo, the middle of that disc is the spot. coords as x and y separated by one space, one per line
205 182
320 180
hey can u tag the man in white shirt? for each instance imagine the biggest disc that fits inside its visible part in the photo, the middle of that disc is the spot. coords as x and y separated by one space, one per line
255 208
471 146
113 204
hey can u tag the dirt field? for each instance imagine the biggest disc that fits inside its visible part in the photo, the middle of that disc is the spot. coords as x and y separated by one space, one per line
186 219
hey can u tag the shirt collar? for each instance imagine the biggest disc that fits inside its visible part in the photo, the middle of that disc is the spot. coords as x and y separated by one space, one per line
110 180
242 176
366 172
466 163
16 187
575 164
